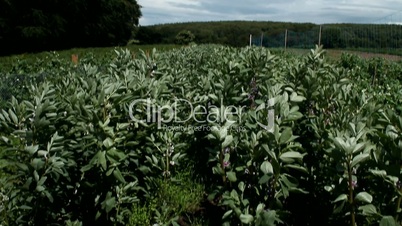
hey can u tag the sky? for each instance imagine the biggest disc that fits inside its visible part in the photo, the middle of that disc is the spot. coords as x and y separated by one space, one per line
314 11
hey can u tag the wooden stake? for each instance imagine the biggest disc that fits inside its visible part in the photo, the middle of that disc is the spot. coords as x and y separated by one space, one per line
74 59
262 37
286 38
319 36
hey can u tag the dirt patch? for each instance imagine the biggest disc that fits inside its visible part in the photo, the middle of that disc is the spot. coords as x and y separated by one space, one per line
336 54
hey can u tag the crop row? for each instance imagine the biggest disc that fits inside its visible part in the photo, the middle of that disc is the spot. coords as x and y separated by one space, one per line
273 139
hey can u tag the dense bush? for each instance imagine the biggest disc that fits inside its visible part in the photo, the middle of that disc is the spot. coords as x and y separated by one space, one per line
272 135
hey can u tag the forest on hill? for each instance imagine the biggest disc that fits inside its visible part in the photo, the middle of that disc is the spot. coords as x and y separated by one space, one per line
301 35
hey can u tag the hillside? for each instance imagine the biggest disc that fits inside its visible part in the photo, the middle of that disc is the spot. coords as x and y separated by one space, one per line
300 35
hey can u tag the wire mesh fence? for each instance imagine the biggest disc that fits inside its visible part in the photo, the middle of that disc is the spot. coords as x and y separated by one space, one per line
381 36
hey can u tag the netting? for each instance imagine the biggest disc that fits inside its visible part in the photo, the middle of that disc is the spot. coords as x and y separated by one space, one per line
382 35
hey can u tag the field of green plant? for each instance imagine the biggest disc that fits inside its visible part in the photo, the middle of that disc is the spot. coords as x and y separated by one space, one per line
201 135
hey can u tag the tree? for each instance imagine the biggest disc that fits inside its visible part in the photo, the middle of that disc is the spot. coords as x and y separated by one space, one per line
39 25
146 35
184 37
331 37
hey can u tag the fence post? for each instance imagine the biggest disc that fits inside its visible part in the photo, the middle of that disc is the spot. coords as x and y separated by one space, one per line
319 36
286 38
262 38
74 59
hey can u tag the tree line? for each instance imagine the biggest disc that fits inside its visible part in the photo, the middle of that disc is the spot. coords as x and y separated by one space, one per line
300 35
38 25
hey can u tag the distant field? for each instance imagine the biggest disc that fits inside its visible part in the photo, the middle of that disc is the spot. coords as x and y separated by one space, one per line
336 54
7 61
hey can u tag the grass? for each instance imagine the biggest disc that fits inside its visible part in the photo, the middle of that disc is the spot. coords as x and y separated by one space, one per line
335 54
176 200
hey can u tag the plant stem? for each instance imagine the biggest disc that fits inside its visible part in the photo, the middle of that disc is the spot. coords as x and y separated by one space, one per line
351 201
398 205
167 161
221 158
271 202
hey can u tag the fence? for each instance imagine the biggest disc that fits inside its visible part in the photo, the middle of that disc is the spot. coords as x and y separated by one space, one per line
383 35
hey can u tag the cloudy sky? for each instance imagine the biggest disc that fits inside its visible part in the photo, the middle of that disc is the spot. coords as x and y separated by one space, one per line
315 11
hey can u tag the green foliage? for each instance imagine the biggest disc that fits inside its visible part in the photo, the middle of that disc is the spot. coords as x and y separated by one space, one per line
142 215
279 133
363 37
184 37
176 200
48 25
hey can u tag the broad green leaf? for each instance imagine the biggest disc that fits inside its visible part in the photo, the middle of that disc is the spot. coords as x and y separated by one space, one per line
246 218
364 197
217 170
285 135
5 139
213 97
342 197
25 207
328 188
117 154
295 98
234 195
264 179
290 156
49 196
269 151
118 176
42 180
42 153
340 143
270 218
241 186
110 204
108 143
388 221
368 209
293 116
40 188
144 169
358 147
32 149
260 208
228 141
231 176
102 159
381 173
109 171
266 168
297 167
13 116
359 158
223 133
36 175
227 214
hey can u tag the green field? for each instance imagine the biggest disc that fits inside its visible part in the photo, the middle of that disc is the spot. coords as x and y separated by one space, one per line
6 62
200 135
